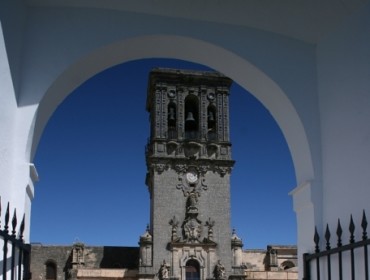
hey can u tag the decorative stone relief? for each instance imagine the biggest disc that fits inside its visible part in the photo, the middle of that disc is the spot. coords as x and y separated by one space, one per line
219 117
223 151
180 168
187 187
192 230
164 114
203 113
174 223
78 255
159 167
226 116
222 170
191 178
210 223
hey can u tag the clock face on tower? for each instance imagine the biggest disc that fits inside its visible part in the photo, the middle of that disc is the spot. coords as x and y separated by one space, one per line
191 177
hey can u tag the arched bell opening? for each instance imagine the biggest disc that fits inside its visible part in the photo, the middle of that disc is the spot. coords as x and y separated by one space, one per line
172 121
192 270
211 123
191 118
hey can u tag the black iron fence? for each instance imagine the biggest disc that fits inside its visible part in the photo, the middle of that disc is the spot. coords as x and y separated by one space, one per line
339 261
15 260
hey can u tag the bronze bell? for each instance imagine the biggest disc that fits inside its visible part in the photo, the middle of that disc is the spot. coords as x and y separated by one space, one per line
211 117
171 115
190 117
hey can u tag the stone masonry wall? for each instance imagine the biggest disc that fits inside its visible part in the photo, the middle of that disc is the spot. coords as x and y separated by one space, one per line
104 257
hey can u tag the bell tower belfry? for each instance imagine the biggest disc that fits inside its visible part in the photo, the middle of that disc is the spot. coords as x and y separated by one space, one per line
189 162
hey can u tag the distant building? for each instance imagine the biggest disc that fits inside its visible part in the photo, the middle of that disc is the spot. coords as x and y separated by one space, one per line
189 165
83 262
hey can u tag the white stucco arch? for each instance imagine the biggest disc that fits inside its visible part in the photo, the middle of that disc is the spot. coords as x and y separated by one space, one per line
193 50
254 80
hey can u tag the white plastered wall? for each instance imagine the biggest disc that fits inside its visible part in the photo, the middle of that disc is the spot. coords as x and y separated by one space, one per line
344 91
344 94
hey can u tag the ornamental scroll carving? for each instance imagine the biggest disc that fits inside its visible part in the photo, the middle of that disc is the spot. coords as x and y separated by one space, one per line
196 186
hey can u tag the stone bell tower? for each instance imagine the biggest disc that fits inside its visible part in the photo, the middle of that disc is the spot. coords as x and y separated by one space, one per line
188 158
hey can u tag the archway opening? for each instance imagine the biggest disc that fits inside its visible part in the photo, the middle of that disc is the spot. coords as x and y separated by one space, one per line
87 204
50 270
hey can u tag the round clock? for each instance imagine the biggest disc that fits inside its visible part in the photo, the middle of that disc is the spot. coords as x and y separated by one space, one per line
192 177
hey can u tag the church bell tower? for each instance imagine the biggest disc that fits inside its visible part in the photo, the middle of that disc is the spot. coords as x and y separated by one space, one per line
189 162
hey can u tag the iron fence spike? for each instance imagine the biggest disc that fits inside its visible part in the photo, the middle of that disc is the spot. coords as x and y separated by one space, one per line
14 222
316 239
6 219
339 234
327 237
352 230
21 228
364 226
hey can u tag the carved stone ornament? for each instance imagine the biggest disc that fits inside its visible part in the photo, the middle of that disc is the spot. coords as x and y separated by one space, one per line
187 188
223 170
203 169
192 230
160 167
174 223
191 179
210 223
180 168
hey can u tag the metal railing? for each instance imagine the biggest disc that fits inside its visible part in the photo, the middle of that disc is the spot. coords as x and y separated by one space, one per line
341 262
16 254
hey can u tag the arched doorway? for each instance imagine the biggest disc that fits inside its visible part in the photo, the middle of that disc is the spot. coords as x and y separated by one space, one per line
192 270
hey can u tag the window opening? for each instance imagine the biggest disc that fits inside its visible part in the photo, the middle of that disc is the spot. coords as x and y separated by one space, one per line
51 271
287 265
171 121
211 123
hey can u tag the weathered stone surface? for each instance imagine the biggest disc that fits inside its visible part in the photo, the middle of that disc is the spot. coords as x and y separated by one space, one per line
105 257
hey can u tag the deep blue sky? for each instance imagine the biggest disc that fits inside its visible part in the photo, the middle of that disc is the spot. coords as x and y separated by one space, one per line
92 168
